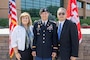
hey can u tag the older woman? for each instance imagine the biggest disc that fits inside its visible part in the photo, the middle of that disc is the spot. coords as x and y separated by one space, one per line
22 37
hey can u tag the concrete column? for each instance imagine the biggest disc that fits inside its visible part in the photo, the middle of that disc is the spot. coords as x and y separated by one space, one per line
4 8
84 10
18 6
65 3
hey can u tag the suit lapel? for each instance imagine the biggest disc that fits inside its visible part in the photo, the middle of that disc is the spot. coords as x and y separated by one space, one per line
57 24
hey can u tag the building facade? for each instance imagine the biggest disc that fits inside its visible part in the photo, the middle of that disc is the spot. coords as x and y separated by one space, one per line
33 6
83 6
4 8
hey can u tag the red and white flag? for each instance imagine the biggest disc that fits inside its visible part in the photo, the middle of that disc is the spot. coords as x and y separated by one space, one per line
72 14
12 15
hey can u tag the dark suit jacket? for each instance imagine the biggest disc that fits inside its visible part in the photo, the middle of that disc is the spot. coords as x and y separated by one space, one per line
68 41
48 34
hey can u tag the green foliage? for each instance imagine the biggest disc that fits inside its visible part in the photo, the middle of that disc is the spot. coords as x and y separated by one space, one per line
4 23
53 9
35 12
85 21
35 19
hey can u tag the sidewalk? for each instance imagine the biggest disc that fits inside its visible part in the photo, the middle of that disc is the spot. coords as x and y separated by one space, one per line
6 31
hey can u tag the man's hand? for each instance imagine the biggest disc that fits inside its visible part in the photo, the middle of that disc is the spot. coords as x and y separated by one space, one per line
18 56
53 54
73 58
33 53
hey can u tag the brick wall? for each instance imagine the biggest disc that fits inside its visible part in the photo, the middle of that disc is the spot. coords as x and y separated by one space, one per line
84 49
4 47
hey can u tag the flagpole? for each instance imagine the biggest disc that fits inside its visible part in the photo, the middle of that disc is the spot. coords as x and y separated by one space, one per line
12 17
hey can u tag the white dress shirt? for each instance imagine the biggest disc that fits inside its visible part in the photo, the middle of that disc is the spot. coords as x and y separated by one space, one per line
62 22
45 22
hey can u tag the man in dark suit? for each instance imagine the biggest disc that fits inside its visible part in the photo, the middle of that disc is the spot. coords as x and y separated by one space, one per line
45 37
67 37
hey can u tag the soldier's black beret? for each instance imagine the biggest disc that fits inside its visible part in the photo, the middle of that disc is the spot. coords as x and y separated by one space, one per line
43 10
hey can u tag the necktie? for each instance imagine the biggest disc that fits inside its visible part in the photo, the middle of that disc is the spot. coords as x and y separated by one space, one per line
44 24
59 31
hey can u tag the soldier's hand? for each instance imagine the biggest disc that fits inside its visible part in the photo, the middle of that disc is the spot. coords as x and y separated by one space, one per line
53 54
18 56
33 53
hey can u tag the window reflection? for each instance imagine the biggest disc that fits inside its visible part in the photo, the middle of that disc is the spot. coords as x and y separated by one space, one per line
88 6
33 6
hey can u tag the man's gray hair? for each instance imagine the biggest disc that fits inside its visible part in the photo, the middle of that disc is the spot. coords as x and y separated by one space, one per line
61 8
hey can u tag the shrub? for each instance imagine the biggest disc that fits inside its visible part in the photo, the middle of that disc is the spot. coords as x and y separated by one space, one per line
85 21
34 18
4 23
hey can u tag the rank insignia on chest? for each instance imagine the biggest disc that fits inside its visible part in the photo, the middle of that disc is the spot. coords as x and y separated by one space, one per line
50 27
38 28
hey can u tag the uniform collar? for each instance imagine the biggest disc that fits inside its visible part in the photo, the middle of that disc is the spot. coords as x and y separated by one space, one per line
45 22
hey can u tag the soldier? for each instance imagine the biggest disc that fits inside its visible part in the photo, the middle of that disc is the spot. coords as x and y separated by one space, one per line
45 37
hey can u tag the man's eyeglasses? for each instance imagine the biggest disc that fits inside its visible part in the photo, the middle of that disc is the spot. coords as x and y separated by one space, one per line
61 13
